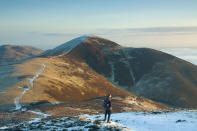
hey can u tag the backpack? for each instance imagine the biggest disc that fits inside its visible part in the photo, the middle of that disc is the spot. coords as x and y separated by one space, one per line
106 103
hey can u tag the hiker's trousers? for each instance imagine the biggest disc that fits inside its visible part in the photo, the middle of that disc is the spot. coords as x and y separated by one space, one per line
107 112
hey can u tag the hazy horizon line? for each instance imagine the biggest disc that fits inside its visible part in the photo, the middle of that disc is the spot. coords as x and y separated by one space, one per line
155 37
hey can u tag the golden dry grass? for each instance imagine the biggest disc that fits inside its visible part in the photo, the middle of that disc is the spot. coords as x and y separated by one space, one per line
23 72
65 79
69 80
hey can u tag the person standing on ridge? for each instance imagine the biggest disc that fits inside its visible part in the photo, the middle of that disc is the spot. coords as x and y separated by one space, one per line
108 107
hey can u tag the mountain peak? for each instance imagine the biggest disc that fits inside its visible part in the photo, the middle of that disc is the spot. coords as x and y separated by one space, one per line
70 45
66 47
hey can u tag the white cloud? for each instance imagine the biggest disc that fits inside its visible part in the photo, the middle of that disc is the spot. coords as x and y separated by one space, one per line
132 37
188 54
153 37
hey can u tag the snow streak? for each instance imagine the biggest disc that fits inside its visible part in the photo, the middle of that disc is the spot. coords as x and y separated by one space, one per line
129 66
38 119
31 81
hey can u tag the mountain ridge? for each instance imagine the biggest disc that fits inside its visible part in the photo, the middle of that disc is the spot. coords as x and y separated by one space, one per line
130 67
14 53
90 66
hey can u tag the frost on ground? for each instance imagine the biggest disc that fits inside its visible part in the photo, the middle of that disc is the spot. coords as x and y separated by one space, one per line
133 121
144 121
65 123
39 119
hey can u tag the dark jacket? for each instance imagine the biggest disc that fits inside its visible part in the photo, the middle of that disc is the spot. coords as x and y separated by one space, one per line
107 104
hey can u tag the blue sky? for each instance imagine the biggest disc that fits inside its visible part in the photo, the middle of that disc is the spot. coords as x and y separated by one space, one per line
137 23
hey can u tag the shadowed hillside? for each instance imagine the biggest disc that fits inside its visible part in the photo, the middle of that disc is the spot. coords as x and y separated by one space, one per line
142 71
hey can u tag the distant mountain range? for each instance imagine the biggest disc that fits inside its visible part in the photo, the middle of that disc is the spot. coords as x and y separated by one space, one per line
91 66
13 53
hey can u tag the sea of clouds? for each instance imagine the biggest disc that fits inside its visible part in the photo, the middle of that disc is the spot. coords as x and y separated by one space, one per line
189 54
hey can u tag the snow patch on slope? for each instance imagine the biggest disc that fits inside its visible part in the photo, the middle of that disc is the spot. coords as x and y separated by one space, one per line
66 47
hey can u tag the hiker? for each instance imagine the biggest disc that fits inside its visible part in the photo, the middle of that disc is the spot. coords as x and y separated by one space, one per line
107 106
